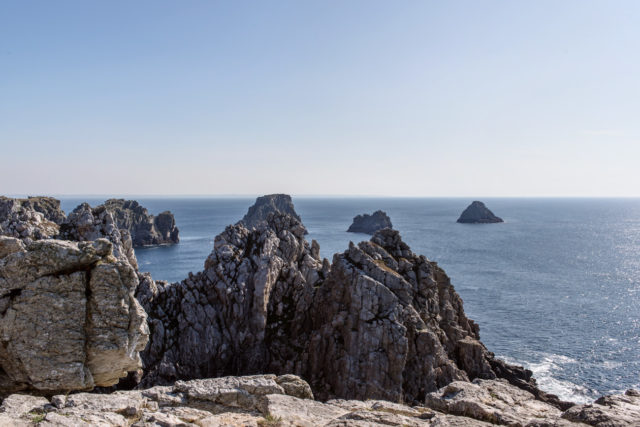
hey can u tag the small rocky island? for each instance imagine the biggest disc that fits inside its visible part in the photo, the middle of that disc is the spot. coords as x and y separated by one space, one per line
478 213
369 224
378 336
145 229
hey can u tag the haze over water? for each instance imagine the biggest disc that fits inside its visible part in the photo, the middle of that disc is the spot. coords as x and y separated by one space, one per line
555 288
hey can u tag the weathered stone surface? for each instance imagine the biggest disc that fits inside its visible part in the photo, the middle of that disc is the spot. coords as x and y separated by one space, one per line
145 229
269 204
478 213
369 224
47 206
493 401
238 316
21 220
259 401
87 224
608 411
68 317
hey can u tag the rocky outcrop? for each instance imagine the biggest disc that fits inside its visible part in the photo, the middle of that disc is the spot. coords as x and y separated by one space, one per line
47 206
269 204
369 224
388 324
68 316
380 322
33 218
240 314
268 400
612 410
145 229
87 224
478 213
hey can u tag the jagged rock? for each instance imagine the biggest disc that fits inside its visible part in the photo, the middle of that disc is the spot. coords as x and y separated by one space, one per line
369 224
269 204
608 411
87 224
33 218
242 313
145 229
47 206
68 317
478 213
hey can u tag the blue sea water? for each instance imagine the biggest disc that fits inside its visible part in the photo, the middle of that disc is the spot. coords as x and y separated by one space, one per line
555 288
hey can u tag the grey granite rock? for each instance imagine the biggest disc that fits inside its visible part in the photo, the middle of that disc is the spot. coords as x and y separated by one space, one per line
369 224
145 229
478 213
269 204
68 316
47 206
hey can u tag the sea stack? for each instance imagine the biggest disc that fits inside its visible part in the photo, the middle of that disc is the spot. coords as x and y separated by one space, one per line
478 213
145 229
369 224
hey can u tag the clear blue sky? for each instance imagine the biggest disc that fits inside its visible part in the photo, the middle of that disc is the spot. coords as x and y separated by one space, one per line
407 98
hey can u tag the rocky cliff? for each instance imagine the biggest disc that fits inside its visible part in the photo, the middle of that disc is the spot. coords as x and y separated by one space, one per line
145 229
478 213
369 224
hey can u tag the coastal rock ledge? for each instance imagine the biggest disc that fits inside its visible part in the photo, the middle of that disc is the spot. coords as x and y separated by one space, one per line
369 224
286 400
478 213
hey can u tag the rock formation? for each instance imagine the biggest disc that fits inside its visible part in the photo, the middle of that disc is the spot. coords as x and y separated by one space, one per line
380 322
47 206
369 224
269 400
68 316
265 205
33 218
239 315
478 213
145 229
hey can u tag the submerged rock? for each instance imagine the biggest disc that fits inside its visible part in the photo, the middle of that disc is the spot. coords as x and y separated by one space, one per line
68 316
369 224
269 204
145 229
478 213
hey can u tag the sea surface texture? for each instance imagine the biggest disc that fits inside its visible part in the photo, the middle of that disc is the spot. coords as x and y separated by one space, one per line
555 288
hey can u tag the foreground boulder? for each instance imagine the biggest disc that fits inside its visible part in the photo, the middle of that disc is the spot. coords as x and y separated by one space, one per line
68 316
478 213
369 224
145 229
266 205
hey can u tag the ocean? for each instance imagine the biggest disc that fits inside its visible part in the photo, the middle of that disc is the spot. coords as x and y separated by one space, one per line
555 288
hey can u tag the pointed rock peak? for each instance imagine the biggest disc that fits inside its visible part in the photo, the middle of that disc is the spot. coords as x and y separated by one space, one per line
478 213
391 241
271 203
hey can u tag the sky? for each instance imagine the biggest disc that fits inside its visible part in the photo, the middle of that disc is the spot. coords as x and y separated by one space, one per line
389 98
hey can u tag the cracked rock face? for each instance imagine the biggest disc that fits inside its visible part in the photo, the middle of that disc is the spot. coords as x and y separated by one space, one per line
68 316
369 224
145 229
33 218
